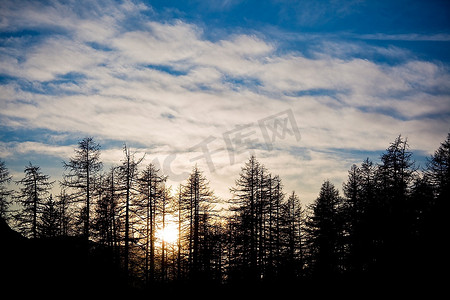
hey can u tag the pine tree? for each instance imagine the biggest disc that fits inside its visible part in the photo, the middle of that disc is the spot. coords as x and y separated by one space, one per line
245 204
108 215
436 220
150 187
292 231
82 171
107 211
353 216
198 200
128 177
324 232
438 171
5 193
395 176
258 201
49 225
396 171
34 192
65 214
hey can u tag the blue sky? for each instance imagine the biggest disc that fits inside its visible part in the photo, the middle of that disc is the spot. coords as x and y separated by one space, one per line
173 79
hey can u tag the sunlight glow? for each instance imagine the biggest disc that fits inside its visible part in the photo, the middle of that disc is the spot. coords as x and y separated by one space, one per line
169 234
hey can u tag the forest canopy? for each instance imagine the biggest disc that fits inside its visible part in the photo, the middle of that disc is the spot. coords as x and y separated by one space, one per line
388 222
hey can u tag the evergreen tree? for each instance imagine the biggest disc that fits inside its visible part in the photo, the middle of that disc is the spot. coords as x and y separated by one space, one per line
82 171
5 193
49 220
164 210
198 200
274 227
128 178
324 232
395 176
435 223
106 221
65 214
292 232
245 204
34 191
151 184
258 200
438 171
353 208
391 222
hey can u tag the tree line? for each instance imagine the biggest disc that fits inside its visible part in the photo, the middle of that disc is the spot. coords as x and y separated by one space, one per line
389 221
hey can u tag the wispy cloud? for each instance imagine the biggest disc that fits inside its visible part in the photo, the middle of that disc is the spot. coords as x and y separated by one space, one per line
437 37
8 150
118 73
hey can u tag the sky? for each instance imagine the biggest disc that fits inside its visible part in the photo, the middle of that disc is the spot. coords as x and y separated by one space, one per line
308 87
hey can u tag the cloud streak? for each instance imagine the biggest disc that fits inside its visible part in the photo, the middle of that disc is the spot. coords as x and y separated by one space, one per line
116 72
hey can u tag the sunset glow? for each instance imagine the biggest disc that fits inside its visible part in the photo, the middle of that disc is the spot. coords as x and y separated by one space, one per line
148 146
169 234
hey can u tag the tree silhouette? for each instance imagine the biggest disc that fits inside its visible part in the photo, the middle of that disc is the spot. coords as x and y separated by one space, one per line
65 214
324 232
435 226
106 219
258 200
438 171
82 172
197 199
49 220
395 177
128 178
151 187
34 191
245 201
293 218
390 223
5 193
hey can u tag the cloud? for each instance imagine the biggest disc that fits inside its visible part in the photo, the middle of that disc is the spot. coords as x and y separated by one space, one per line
159 44
11 149
438 37
119 74
55 57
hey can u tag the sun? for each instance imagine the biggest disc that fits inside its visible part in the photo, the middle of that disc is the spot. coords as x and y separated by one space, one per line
169 234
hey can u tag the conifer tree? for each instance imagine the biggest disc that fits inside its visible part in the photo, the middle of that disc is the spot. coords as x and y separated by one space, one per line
198 199
49 225
5 192
34 191
151 184
82 172
128 177
324 231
